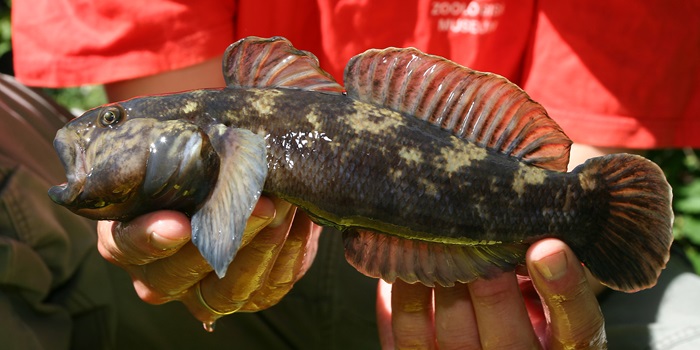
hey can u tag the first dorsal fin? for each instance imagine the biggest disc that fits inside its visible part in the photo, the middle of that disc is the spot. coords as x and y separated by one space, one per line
275 63
483 108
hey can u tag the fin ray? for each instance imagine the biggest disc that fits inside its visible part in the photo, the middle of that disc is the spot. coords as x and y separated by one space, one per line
483 108
390 257
632 247
275 63
217 228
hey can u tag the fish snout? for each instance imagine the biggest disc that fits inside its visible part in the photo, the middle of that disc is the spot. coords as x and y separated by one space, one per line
62 194
73 164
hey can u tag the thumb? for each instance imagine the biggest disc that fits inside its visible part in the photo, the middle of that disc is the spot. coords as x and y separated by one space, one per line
147 238
574 316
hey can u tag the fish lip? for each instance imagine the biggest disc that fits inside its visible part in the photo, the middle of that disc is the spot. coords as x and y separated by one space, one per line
65 193
72 156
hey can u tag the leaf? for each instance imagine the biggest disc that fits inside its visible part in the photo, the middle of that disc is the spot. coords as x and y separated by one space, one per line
689 205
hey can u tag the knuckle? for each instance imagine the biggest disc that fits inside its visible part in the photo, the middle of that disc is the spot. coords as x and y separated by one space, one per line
150 292
106 253
229 301
267 298
493 296
150 295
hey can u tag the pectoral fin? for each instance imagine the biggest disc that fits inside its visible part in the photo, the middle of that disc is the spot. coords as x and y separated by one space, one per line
218 226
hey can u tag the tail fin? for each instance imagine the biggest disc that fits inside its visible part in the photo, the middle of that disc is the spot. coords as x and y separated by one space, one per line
634 243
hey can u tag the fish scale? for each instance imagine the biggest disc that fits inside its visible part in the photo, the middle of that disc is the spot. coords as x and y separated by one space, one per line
434 172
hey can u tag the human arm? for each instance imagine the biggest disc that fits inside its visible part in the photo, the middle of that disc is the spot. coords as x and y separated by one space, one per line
53 284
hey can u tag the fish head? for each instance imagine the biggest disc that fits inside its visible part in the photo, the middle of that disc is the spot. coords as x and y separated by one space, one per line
121 163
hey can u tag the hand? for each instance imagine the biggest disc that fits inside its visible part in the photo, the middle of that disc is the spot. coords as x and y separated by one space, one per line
278 247
507 312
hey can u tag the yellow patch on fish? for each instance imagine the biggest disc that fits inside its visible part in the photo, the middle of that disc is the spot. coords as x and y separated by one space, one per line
233 115
359 121
314 119
264 100
396 174
430 187
411 155
528 176
190 107
462 155
588 183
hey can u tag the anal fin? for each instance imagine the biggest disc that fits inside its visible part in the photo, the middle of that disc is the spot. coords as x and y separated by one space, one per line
389 257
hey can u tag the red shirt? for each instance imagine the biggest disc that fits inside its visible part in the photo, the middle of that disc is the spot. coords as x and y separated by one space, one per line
615 74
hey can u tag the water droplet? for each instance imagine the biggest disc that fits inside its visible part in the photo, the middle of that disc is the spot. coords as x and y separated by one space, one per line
209 326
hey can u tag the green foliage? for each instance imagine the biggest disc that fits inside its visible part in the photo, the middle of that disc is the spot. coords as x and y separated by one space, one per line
682 168
5 27
79 99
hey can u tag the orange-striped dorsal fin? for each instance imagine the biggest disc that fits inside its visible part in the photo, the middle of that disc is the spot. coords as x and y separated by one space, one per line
483 108
275 63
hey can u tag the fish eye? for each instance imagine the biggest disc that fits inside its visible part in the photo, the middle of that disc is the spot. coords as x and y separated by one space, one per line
110 115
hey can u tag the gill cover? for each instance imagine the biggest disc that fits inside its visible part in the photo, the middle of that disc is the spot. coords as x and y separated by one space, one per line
182 166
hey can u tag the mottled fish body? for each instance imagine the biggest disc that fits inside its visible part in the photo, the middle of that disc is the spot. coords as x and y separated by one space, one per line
437 178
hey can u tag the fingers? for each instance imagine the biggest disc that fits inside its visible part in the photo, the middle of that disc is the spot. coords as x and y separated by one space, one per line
386 337
292 262
466 316
147 238
412 316
169 278
498 306
248 272
574 314
455 323
502 312
155 250
160 234
263 214
151 241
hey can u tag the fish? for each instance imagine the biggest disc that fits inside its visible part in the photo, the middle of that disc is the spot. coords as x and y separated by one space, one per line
434 173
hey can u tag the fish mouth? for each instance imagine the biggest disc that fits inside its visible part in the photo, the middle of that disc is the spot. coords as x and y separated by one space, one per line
65 194
73 161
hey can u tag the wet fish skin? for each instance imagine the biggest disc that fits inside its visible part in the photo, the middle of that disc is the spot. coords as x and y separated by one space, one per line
363 169
349 175
105 185
417 200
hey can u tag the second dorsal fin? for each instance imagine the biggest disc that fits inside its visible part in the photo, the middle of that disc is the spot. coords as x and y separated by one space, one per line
483 108
274 62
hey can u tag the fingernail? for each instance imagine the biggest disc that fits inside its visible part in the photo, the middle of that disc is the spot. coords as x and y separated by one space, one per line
552 267
164 243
